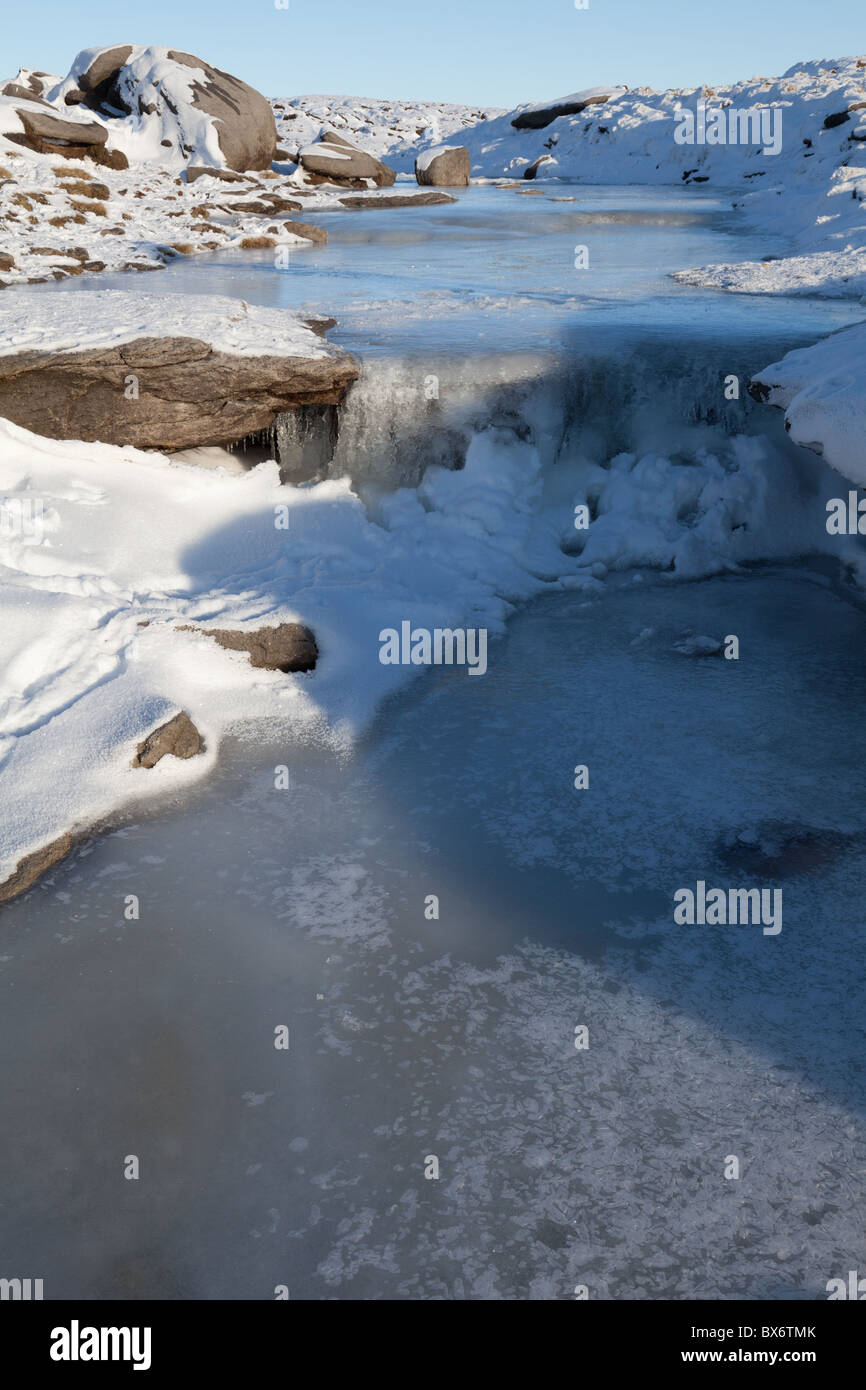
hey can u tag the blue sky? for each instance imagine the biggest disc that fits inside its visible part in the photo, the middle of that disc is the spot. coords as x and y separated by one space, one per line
493 52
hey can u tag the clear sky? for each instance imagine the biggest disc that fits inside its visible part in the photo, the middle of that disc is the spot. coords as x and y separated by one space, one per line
491 52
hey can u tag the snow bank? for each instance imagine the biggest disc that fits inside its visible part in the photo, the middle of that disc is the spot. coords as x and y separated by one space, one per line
822 390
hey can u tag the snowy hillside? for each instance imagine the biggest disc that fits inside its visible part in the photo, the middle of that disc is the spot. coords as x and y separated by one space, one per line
811 184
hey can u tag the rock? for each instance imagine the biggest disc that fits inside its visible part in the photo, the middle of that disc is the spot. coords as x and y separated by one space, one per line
837 118
446 166
179 738
244 120
7 262
287 648
46 133
33 866
539 117
191 101
198 171
333 160
398 200
306 230
187 392
532 171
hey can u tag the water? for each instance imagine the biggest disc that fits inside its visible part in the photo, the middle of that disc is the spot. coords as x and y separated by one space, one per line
496 273
414 1036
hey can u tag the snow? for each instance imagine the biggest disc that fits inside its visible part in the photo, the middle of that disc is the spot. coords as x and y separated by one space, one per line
379 128
57 323
129 538
822 390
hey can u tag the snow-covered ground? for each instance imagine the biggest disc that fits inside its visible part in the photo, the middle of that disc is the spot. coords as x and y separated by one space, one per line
377 127
56 323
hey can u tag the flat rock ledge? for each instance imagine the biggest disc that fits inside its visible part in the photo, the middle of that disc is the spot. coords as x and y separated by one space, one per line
164 393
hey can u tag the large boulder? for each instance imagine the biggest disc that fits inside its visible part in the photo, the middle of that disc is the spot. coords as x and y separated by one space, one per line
540 116
171 101
128 373
332 159
446 166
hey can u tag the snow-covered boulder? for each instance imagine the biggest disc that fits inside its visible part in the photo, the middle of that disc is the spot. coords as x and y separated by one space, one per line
144 104
332 159
445 166
161 371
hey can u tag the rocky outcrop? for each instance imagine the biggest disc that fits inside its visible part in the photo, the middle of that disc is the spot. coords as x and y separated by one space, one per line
288 647
444 167
539 117
332 159
179 738
187 393
112 97
236 367
46 133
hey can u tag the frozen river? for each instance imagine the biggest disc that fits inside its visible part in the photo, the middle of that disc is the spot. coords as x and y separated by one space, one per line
432 1130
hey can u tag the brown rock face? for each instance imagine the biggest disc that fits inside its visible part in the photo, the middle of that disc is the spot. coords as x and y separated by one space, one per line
333 160
178 738
289 647
188 394
450 169
246 129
